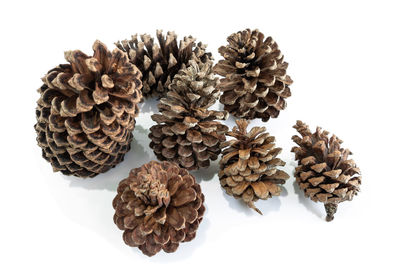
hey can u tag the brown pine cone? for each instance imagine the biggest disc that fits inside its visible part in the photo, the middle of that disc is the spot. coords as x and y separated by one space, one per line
324 173
86 111
255 83
160 62
186 131
248 168
158 206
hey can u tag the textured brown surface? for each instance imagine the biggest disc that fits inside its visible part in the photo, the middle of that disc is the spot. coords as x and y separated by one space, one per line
248 168
160 62
255 84
158 206
186 131
324 173
86 111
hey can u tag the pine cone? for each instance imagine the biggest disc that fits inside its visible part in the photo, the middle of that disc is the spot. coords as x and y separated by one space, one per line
86 111
186 132
248 168
160 63
255 83
324 173
158 206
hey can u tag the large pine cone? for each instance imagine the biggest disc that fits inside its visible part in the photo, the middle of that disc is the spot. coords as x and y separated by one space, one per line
324 173
86 111
249 165
186 132
160 63
158 206
255 83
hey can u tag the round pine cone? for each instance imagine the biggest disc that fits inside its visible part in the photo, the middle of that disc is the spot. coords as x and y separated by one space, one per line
86 111
248 168
255 83
158 206
186 131
160 63
324 173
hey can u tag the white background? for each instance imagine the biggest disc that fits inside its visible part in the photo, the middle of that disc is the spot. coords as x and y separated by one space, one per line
344 59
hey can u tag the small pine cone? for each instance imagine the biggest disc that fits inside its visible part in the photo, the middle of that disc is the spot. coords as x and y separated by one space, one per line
248 168
158 206
186 131
86 111
255 83
324 173
160 63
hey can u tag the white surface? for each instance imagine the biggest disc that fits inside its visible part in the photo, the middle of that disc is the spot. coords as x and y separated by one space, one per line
344 60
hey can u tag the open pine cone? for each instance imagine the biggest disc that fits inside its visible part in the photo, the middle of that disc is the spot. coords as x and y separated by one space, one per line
248 168
160 62
158 206
324 173
86 111
186 131
255 83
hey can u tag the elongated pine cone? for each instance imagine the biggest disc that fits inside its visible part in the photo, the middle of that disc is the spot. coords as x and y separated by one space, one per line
255 84
248 168
324 173
160 62
86 111
186 131
158 206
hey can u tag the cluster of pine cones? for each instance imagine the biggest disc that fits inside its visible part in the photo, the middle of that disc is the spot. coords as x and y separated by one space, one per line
86 115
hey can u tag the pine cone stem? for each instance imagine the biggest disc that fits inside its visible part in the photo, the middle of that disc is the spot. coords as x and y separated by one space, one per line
251 205
330 209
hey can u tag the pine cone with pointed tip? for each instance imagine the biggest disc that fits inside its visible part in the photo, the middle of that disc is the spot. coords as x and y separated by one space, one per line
160 62
324 173
248 168
186 131
86 111
255 84
158 206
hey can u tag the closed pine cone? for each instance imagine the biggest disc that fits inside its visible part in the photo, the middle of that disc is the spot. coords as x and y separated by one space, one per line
255 84
248 168
86 111
158 206
186 131
324 173
160 62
